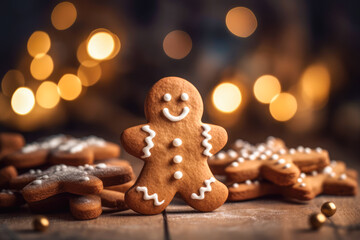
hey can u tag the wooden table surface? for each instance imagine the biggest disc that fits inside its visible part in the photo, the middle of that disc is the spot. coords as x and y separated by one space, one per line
265 218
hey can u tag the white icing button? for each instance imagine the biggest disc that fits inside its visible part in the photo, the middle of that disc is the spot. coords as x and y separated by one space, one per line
282 151
292 151
275 157
343 176
241 159
302 175
177 159
248 182
281 161
221 155
288 165
239 143
245 155
252 157
314 173
256 153
268 152
332 174
177 142
89 168
261 148
32 171
38 171
178 175
235 164
307 150
318 149
101 165
232 153
299 180
235 185
184 97
300 149
37 182
85 178
263 157
167 97
303 184
328 170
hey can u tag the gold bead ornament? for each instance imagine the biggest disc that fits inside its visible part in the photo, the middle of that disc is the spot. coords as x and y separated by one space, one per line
41 223
328 209
317 220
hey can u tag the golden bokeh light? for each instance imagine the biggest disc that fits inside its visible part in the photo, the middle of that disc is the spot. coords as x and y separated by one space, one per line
226 97
83 56
177 44
47 95
283 107
12 80
22 101
266 87
89 75
69 87
63 15
116 47
41 67
101 44
38 43
241 22
315 85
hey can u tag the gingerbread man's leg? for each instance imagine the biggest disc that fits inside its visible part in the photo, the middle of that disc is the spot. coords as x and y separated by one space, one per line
150 194
204 192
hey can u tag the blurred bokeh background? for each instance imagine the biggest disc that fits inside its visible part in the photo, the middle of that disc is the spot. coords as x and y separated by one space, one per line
282 68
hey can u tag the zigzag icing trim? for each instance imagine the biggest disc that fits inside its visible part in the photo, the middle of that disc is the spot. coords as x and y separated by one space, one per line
150 197
148 141
203 190
205 143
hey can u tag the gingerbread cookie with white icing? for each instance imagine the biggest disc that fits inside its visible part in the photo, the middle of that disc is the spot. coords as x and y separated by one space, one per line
83 180
175 146
332 180
62 149
245 150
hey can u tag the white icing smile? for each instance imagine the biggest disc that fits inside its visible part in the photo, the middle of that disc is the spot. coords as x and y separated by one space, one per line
172 118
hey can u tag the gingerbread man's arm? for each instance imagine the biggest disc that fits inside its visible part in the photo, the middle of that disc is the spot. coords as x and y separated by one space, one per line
138 140
218 139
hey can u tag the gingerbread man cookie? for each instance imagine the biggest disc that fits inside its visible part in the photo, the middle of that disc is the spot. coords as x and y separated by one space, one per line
175 145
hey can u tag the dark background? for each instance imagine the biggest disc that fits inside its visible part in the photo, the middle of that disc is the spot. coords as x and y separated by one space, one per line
290 36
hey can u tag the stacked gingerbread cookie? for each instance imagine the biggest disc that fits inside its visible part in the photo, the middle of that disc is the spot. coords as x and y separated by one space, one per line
71 174
271 168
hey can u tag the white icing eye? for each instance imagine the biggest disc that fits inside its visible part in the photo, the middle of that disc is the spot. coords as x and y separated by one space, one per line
184 97
167 97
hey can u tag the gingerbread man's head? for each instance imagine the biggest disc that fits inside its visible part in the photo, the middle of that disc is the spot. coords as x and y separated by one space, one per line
173 100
